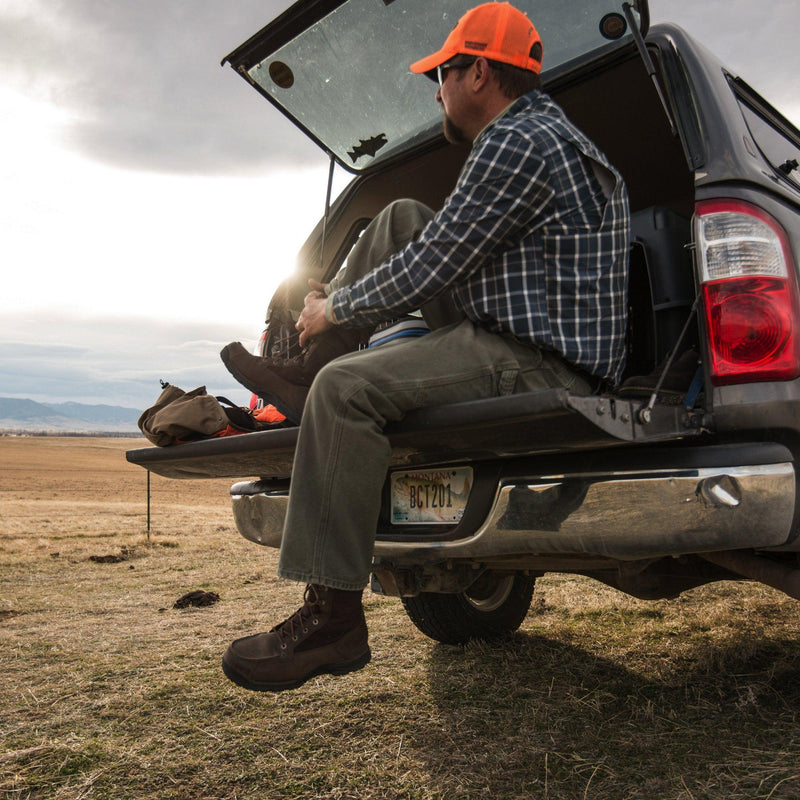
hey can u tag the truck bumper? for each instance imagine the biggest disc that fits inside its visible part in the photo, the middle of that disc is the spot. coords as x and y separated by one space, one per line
645 511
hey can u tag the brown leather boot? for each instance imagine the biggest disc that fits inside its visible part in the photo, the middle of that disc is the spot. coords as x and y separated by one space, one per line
285 382
328 634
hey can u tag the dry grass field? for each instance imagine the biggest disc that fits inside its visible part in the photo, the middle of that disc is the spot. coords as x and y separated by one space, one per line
107 691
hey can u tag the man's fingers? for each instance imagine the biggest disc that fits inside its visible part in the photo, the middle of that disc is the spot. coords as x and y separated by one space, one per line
312 320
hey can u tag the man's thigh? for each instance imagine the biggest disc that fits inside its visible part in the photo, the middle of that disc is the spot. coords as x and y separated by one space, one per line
457 363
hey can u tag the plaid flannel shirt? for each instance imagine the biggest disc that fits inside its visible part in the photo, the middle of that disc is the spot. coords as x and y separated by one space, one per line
533 242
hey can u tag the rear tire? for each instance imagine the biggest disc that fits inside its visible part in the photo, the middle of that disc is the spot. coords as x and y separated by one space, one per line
493 607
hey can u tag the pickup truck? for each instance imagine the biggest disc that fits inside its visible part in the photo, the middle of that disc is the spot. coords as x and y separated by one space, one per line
684 474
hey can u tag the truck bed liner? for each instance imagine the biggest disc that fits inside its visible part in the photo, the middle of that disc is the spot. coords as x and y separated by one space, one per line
527 423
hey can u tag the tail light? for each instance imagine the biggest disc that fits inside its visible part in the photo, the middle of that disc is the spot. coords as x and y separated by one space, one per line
749 286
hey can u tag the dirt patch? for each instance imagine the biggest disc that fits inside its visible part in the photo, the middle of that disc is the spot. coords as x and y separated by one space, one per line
196 599
111 558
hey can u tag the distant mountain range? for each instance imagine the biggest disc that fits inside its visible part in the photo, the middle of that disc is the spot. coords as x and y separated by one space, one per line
32 417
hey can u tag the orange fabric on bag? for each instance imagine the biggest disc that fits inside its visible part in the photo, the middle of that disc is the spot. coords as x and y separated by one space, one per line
269 414
228 431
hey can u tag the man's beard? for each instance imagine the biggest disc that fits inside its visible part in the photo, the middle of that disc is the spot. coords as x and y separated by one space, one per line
453 133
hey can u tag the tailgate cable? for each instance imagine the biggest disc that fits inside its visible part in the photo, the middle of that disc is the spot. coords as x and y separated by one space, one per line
645 413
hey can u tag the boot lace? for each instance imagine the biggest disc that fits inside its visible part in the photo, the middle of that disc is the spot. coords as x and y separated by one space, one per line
283 339
305 619
283 361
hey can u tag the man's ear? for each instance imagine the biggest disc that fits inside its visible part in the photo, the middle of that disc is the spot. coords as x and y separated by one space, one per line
482 74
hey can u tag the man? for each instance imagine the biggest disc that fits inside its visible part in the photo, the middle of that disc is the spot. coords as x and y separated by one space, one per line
531 247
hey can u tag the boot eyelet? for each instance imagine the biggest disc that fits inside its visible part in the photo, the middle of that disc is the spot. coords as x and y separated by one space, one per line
283 645
315 621
294 638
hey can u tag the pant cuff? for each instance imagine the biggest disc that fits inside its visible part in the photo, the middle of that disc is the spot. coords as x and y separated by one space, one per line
333 583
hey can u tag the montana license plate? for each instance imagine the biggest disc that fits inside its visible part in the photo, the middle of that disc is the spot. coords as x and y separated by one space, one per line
430 496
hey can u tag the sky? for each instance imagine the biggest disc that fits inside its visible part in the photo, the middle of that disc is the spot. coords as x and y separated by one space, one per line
151 200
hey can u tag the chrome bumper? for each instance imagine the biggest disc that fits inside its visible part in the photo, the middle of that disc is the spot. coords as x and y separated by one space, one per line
622 515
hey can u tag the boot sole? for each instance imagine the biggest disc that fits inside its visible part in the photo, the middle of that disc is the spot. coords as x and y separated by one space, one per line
325 669
290 413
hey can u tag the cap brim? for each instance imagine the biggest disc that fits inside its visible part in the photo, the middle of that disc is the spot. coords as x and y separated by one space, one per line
429 63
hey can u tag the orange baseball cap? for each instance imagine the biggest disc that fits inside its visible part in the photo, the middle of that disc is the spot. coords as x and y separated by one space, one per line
496 31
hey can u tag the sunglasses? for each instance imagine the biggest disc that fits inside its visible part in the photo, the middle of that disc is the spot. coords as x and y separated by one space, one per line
441 70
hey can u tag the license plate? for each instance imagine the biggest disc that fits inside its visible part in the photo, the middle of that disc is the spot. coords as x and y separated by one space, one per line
430 496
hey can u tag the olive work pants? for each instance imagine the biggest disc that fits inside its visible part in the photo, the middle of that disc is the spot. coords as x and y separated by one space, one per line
342 454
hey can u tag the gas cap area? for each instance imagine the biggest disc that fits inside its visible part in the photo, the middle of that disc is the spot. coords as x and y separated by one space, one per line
720 491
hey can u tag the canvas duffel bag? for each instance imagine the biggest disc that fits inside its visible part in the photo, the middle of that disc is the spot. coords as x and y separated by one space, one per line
179 416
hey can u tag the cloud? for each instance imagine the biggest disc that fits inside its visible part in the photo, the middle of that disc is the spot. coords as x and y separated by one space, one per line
141 83
118 361
756 41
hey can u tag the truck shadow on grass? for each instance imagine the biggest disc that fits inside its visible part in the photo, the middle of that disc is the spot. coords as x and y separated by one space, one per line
537 718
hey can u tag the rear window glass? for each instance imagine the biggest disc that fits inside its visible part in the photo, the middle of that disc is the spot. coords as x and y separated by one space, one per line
345 79
776 138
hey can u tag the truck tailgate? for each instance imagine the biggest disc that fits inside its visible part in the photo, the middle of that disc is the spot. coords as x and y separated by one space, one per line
529 423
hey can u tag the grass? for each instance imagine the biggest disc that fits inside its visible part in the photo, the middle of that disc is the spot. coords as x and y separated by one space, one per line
110 692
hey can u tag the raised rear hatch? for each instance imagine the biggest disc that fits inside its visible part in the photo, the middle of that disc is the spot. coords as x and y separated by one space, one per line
339 70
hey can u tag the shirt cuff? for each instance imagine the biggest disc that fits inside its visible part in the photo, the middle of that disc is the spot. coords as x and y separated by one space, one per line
329 314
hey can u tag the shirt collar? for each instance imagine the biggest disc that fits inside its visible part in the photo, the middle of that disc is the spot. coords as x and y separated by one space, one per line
515 105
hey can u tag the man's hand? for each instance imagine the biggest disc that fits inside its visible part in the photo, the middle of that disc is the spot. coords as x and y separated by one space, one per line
312 320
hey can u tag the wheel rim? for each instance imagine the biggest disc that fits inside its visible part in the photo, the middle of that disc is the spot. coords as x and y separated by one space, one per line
489 592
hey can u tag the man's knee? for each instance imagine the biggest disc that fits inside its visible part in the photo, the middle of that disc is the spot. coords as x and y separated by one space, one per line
407 218
332 383
358 381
